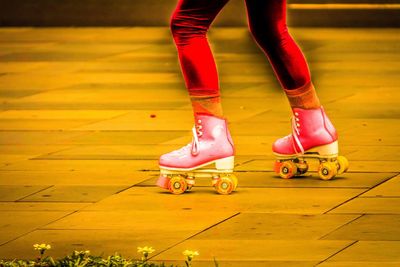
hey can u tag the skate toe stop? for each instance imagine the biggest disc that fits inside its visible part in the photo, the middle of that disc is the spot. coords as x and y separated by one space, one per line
162 181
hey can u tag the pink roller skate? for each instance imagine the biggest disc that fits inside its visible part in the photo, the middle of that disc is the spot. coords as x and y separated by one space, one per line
313 136
211 146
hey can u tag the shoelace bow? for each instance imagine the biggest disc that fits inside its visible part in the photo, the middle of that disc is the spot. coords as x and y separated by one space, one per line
194 145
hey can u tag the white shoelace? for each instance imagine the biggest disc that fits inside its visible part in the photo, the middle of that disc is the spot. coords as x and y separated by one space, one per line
195 142
194 145
295 134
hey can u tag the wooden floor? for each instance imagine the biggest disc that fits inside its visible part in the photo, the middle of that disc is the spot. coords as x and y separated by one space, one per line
86 112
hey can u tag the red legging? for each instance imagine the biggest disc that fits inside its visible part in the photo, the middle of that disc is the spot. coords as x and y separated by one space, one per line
267 22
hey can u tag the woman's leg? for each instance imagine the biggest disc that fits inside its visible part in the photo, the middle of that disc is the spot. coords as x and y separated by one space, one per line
189 25
212 144
312 131
267 23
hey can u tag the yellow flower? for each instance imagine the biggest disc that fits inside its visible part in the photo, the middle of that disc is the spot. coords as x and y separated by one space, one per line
86 252
190 254
145 250
41 247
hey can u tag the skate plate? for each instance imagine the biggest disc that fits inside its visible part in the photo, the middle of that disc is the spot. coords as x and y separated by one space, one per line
328 168
177 181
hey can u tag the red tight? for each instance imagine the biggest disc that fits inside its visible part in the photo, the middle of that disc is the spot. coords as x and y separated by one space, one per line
267 23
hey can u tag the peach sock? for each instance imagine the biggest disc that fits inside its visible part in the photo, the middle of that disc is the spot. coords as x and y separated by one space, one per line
303 97
207 105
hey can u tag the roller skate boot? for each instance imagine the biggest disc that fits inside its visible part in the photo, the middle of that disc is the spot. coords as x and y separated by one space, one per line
210 155
313 137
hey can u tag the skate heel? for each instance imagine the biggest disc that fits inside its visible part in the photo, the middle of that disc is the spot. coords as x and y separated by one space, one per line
225 163
329 150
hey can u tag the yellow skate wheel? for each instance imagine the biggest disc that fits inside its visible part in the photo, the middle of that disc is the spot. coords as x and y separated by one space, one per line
177 185
343 164
288 169
235 180
327 170
225 185
302 167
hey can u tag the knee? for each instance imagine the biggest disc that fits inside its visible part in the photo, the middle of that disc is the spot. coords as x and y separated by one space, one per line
184 27
175 25
269 34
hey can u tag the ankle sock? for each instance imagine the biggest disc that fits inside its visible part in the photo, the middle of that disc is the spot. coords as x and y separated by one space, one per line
303 97
207 105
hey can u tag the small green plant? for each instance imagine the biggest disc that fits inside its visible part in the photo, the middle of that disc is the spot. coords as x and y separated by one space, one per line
41 260
42 248
190 254
216 262
78 259
146 251
85 259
